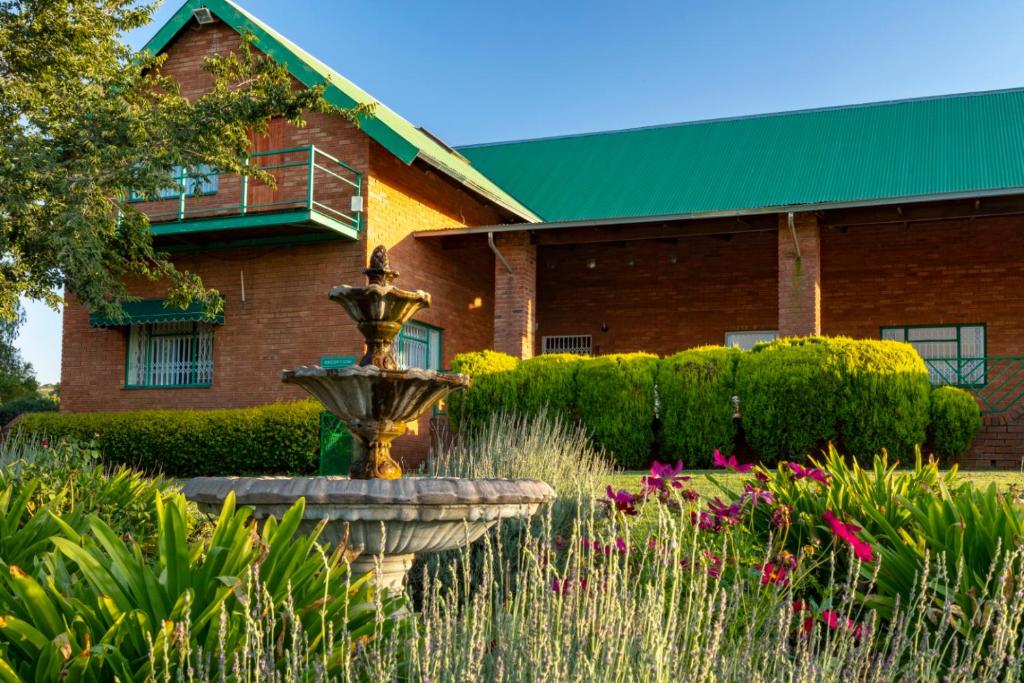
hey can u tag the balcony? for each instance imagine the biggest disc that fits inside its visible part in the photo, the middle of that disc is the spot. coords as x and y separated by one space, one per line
317 197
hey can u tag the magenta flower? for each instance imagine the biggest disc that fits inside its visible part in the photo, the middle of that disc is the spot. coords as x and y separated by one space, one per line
848 532
781 516
730 463
705 522
714 564
662 479
801 472
690 495
774 574
729 513
756 495
566 585
622 500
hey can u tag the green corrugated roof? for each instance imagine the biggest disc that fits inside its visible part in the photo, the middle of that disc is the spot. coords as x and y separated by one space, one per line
394 133
933 146
155 311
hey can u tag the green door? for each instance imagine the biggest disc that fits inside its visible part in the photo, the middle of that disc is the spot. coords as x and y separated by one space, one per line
335 446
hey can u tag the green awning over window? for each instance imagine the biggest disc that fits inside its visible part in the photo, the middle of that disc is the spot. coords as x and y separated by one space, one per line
154 311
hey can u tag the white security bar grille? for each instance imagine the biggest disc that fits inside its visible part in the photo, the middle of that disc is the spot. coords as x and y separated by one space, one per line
746 340
579 344
419 346
170 355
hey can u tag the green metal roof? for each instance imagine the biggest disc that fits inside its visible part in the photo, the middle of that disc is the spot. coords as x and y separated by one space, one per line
155 311
969 143
394 133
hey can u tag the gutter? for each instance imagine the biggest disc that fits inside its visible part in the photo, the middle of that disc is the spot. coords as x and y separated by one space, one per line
497 254
734 213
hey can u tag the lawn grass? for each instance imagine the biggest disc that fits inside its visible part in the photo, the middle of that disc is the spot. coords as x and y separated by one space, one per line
1003 479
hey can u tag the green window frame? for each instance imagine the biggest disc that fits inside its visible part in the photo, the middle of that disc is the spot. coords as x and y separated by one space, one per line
170 355
419 346
954 353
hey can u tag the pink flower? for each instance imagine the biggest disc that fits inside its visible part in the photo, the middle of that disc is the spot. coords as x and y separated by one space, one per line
714 564
756 495
801 472
690 495
622 500
831 619
730 513
662 479
566 585
848 532
729 463
705 522
774 574
781 516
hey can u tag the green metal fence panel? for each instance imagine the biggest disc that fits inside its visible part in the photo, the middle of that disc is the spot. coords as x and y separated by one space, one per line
996 381
335 446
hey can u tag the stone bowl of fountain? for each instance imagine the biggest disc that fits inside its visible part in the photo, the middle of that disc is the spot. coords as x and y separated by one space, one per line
384 517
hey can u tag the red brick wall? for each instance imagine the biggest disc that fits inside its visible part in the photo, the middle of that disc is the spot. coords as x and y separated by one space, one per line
713 286
515 295
799 276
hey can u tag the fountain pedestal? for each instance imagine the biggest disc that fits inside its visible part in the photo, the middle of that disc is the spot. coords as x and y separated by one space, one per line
387 519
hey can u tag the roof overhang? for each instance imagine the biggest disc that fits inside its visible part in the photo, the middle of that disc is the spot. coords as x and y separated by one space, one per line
712 215
155 311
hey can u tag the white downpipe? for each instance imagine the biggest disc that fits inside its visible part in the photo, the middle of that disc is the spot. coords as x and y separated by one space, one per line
497 254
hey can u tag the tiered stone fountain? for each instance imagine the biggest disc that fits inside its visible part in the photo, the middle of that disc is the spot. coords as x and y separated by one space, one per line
389 519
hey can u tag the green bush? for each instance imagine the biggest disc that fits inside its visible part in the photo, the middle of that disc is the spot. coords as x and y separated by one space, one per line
800 393
273 439
493 388
548 384
955 419
695 391
790 394
26 404
615 401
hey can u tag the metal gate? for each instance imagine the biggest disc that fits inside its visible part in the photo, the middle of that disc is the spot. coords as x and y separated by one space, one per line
335 446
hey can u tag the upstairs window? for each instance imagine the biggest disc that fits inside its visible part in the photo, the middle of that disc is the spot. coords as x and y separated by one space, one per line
193 183
746 339
170 355
419 346
954 354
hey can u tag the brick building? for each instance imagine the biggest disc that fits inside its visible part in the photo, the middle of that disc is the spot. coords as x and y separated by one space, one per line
900 220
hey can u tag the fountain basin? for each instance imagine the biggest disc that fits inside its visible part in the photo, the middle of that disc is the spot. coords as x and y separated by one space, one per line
387 521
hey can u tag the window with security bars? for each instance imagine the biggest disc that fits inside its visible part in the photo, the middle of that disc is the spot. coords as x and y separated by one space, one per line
579 344
419 346
746 339
954 354
168 355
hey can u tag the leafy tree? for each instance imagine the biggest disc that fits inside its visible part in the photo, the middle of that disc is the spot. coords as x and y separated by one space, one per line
17 378
83 116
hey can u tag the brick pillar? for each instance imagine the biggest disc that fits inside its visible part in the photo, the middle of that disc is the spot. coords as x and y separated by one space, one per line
515 294
799 276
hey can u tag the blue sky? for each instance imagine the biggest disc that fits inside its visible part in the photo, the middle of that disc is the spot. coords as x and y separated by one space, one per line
475 71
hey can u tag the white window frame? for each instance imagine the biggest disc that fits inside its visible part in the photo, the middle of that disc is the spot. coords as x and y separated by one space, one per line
748 338
576 344
169 355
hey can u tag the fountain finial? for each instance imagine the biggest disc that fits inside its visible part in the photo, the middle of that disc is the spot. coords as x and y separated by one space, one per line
379 272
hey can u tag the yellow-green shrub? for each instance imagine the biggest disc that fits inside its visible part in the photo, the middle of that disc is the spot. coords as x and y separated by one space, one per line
548 383
615 401
493 388
797 394
273 439
955 419
695 391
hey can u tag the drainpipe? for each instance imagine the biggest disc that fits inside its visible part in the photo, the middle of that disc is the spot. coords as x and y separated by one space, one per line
498 255
792 231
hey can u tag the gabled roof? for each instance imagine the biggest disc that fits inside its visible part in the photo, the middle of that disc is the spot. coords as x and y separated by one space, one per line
968 144
394 133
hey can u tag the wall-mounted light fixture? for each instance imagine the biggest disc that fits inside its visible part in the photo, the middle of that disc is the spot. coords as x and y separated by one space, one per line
631 262
604 327
672 258
203 15
591 263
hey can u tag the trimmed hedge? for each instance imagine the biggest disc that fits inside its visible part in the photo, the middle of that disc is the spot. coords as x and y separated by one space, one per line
26 404
493 388
955 420
615 401
800 393
273 439
695 391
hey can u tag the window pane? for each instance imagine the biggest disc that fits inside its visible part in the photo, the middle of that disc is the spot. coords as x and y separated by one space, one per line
170 354
746 340
953 354
414 348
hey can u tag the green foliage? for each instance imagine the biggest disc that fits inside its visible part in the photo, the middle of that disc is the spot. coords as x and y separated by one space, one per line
272 439
955 419
798 394
547 384
83 117
493 387
695 392
66 481
26 404
98 608
615 401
